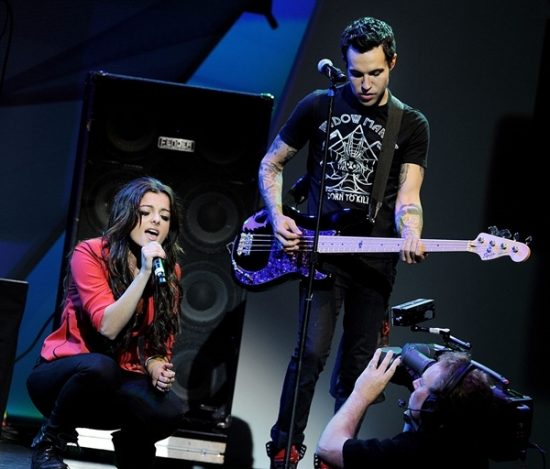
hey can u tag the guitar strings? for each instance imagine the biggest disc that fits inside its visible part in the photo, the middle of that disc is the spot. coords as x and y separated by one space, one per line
261 242
487 247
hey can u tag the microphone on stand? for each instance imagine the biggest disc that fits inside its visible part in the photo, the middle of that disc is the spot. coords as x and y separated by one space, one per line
326 68
158 270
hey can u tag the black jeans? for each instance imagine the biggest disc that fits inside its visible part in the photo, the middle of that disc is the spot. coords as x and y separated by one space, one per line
91 390
365 306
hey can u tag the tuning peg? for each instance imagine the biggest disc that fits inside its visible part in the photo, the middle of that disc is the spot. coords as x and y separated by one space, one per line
493 230
505 233
516 236
528 240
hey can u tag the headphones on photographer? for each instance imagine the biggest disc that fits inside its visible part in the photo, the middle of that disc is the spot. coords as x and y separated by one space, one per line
436 409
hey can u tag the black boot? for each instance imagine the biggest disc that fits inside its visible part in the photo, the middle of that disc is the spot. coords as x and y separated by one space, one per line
133 453
49 447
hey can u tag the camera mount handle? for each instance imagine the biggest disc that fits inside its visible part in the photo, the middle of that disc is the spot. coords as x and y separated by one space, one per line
449 340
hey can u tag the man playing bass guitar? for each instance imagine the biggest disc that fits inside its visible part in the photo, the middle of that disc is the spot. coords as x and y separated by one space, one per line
360 284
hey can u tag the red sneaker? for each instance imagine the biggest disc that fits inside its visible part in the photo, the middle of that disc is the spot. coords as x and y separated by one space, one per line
278 456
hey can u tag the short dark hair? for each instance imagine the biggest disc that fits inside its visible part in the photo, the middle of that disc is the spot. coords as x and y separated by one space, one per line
366 33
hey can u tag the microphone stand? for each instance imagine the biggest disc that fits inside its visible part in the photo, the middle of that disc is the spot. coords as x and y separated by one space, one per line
311 274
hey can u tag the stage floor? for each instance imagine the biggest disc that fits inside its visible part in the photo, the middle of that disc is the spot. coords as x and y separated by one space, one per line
18 456
185 450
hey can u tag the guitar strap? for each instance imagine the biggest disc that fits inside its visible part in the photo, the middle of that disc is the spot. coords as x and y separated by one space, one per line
395 113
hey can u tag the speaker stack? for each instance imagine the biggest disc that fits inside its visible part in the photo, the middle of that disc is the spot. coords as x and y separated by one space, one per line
206 144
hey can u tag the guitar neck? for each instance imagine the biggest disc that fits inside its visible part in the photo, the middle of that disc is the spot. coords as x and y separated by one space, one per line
358 244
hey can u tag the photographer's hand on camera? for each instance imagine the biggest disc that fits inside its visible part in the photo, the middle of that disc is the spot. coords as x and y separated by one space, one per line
375 377
344 424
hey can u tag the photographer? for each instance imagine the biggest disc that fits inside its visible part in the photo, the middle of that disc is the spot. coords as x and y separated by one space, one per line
445 418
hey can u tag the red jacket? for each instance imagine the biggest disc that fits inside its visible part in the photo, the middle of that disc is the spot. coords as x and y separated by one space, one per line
88 295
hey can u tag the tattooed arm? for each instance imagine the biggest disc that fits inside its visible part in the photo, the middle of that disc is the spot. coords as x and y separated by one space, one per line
408 213
271 187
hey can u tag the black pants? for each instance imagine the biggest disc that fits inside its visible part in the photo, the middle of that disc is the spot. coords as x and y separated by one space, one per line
90 390
365 302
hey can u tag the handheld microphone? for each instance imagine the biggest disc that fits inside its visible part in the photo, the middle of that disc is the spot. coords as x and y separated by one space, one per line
326 68
158 270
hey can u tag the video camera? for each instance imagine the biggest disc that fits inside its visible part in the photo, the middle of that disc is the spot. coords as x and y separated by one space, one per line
512 413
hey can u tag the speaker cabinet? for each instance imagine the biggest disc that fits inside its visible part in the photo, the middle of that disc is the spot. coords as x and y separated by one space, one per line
207 145
13 296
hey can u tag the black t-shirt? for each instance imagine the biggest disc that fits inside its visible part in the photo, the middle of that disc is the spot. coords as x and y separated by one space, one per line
354 145
414 449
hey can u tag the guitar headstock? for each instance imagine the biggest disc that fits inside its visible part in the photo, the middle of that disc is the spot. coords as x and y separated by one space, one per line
497 244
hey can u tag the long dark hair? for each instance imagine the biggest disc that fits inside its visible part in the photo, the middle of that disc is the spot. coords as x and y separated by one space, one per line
124 216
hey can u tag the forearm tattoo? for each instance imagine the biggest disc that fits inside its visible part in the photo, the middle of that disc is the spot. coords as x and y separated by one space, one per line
271 174
408 220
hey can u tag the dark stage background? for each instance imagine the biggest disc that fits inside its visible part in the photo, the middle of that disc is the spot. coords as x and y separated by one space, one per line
479 71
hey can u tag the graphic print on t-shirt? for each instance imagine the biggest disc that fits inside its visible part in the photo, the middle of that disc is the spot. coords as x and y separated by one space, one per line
350 169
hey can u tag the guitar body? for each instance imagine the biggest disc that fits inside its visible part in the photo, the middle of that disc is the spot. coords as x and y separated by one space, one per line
259 260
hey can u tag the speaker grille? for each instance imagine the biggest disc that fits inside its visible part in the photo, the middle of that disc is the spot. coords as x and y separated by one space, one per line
191 139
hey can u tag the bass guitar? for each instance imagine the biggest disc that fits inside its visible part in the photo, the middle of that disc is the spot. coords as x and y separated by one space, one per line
258 259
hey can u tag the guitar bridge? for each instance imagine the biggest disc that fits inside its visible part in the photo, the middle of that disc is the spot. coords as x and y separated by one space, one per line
245 244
